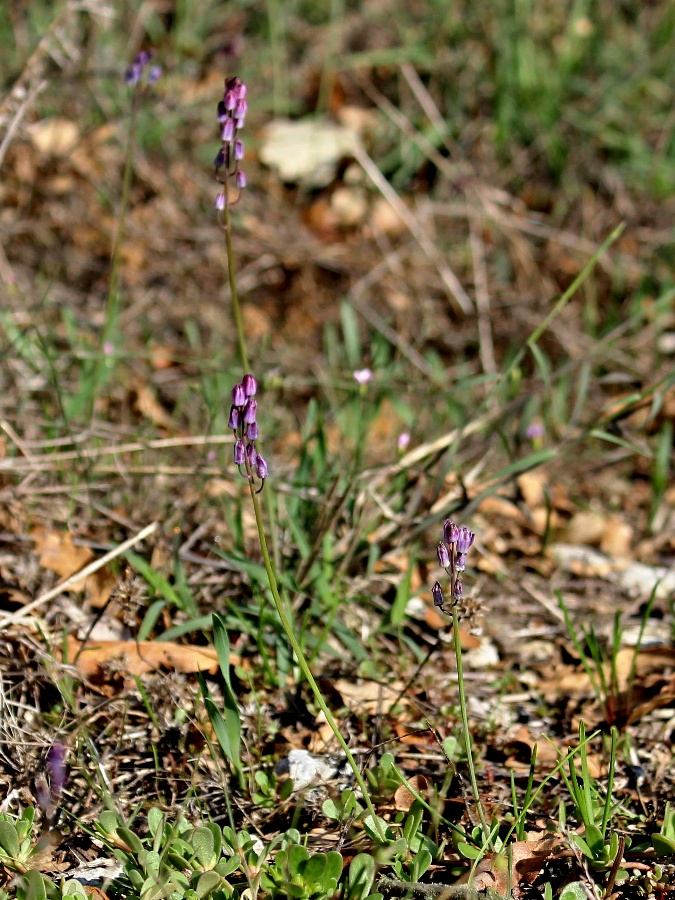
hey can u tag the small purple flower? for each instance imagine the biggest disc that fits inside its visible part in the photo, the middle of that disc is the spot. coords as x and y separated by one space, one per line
437 594
233 421
457 590
240 179
450 532
443 555
261 467
239 453
134 72
250 411
252 431
465 539
238 395
220 201
251 455
56 766
403 441
362 376
460 562
535 431
238 150
228 131
250 385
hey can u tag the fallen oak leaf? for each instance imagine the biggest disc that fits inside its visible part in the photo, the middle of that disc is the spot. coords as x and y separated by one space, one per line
139 657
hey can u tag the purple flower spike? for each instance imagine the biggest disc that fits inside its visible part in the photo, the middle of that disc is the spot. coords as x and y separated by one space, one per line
239 453
233 421
437 594
450 532
238 395
465 539
261 467
250 411
443 555
250 385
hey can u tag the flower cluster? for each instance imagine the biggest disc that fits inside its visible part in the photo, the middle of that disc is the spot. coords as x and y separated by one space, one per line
243 423
232 111
134 73
452 553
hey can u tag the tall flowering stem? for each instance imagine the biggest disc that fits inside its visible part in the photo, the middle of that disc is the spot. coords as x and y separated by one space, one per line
452 554
138 75
231 114
253 466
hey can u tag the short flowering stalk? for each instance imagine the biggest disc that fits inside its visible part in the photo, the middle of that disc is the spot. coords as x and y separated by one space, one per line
452 553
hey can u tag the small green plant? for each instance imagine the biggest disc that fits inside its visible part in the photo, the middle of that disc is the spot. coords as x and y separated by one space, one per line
17 841
598 843
298 873
663 840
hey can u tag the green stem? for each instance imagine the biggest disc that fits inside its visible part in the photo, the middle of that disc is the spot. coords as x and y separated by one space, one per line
112 300
232 278
465 727
302 661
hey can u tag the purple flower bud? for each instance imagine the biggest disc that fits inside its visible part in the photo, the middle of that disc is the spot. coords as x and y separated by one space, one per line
249 384
240 109
252 431
133 74
457 590
450 532
250 411
220 201
143 58
230 100
238 150
437 594
233 421
239 453
240 179
261 467
219 161
238 395
465 539
251 455
154 74
443 555
56 766
222 112
228 131
460 562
